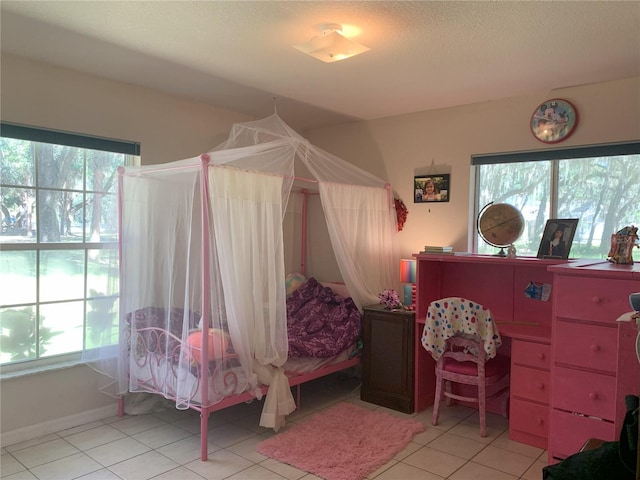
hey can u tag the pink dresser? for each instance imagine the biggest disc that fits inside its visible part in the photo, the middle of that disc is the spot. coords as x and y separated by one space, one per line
593 360
571 363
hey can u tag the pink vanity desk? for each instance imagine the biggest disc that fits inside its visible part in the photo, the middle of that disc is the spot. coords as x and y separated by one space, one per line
534 335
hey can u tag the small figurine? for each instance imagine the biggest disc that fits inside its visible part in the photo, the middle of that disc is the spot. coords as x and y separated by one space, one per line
622 243
511 251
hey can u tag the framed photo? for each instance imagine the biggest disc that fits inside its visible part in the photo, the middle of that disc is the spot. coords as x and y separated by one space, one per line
431 188
554 120
557 238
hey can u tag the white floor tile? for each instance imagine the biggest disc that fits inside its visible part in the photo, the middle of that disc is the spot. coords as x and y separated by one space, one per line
186 450
405 472
180 473
9 465
286 471
94 437
132 424
66 468
435 461
229 434
535 471
24 475
31 443
408 450
504 442
456 445
256 472
426 437
161 435
221 464
143 466
80 428
102 474
472 431
503 460
118 451
45 453
247 449
391 463
474 471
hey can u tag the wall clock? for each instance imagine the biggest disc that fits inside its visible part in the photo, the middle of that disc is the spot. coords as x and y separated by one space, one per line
554 120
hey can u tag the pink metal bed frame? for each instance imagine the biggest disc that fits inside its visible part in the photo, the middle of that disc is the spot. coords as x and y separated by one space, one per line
295 380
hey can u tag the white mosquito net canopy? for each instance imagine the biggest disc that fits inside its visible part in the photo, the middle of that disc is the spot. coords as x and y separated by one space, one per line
202 238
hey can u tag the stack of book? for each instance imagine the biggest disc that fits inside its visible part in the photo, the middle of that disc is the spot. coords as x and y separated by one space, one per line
437 249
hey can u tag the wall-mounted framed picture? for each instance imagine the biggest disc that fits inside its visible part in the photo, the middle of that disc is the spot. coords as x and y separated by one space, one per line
554 120
431 188
557 238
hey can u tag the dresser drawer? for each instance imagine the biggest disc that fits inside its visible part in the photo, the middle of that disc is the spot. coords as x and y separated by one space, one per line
529 383
593 299
529 417
531 354
583 345
569 432
584 392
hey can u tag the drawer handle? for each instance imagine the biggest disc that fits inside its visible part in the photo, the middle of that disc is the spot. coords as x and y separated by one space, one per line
540 386
540 421
595 348
597 299
541 356
593 395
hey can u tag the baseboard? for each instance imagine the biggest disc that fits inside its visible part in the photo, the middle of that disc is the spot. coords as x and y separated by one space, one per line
51 426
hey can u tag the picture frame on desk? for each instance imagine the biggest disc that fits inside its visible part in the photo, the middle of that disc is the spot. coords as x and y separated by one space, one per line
557 238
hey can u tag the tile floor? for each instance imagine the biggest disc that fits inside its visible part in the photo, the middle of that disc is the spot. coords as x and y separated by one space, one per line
166 446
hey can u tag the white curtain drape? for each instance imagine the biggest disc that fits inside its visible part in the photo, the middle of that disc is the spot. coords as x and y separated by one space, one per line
247 210
361 230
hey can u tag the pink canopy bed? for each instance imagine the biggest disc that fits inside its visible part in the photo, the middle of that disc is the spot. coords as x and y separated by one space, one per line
205 316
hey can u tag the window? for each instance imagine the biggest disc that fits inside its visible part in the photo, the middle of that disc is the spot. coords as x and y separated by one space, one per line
599 185
59 241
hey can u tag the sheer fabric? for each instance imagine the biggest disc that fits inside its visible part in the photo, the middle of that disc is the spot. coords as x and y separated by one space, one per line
361 229
202 246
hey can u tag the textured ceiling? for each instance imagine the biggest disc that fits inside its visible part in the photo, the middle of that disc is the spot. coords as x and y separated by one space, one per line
424 54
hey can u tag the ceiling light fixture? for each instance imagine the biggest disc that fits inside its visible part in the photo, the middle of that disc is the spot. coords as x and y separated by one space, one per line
331 45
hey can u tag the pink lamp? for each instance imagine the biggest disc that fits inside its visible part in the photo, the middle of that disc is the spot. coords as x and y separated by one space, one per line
408 279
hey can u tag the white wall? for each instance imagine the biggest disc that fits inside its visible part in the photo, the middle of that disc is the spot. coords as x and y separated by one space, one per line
397 148
168 127
394 149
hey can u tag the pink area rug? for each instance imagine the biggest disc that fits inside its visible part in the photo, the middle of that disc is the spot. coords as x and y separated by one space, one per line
344 442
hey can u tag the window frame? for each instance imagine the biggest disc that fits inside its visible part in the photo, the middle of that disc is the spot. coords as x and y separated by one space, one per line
131 150
553 155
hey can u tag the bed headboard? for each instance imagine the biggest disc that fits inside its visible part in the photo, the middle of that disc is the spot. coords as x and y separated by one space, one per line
338 288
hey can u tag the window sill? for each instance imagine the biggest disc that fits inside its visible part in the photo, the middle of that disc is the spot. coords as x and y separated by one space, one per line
13 372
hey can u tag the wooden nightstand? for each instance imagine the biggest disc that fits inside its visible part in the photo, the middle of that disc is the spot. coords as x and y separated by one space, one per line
387 358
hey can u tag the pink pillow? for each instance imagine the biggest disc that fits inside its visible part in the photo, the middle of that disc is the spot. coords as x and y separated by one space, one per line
217 346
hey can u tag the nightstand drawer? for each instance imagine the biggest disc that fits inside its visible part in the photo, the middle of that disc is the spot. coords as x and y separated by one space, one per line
584 392
590 299
589 346
530 384
531 354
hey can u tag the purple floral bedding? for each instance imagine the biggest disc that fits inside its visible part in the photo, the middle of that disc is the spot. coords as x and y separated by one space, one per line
320 323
